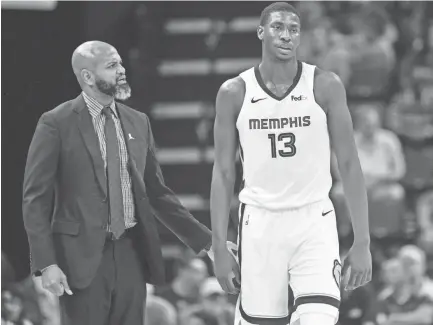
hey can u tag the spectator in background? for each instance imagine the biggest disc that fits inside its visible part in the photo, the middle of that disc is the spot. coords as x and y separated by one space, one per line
214 299
329 49
311 13
213 306
8 272
323 44
336 55
374 29
357 306
393 279
371 51
405 301
21 304
425 221
158 310
392 275
200 317
12 308
380 154
413 260
185 288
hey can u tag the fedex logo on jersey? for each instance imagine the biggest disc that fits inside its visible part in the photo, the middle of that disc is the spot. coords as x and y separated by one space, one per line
279 123
298 98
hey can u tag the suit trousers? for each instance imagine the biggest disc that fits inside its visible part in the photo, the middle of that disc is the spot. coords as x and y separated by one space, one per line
117 294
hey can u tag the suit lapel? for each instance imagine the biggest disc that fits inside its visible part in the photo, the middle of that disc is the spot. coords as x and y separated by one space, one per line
91 141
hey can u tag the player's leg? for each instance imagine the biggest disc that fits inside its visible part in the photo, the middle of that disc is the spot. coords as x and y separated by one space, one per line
263 298
315 268
239 321
315 319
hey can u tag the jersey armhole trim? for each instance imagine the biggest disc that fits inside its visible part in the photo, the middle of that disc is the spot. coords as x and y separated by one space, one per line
315 73
243 102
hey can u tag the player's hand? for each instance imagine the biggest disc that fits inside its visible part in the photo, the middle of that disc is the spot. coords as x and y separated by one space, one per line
226 270
232 247
357 267
54 280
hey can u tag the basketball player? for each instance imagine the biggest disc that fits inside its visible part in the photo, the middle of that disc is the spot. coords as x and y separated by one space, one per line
288 115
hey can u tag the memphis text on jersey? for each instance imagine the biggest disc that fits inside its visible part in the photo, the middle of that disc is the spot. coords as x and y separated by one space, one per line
279 123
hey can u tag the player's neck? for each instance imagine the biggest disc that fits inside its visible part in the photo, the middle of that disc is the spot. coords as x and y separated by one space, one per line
279 72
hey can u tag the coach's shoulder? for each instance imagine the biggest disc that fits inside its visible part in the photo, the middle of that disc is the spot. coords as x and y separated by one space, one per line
133 112
57 114
141 120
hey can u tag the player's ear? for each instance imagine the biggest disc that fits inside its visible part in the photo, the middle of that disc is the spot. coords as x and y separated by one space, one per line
260 31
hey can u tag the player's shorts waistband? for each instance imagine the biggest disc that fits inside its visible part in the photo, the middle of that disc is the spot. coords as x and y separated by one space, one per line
305 206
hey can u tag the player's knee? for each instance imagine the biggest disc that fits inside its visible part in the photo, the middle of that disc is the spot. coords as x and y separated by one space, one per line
262 322
316 318
313 314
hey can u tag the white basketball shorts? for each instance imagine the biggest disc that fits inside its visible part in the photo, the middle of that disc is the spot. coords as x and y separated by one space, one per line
296 247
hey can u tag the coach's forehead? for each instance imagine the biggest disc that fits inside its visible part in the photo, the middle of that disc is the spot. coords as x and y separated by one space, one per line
109 57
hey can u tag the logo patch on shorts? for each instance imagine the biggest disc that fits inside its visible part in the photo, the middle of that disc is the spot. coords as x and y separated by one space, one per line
336 272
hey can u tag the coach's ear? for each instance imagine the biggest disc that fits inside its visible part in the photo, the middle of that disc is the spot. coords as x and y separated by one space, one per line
260 31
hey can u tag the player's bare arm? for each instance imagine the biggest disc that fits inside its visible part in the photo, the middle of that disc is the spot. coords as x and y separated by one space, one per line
331 95
228 103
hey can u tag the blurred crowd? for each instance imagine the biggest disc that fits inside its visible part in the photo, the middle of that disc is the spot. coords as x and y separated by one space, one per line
400 293
383 52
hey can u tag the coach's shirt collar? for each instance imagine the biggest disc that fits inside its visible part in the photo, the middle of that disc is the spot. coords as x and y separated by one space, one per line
95 108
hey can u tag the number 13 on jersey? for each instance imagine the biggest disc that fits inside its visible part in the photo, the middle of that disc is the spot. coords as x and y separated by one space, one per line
288 140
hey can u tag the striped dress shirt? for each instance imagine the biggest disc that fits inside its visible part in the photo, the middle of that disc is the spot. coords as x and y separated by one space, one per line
98 119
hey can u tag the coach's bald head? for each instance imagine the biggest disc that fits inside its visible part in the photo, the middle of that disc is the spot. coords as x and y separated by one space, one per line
88 55
98 68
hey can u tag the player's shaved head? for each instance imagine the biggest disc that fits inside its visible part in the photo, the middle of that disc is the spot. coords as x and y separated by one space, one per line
277 7
88 54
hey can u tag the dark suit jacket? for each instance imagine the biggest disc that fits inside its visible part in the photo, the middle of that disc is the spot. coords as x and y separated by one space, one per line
65 206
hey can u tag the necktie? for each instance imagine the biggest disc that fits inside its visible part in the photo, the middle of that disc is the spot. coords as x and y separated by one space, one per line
115 198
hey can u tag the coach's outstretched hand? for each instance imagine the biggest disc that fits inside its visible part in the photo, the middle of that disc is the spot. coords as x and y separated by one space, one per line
227 270
357 269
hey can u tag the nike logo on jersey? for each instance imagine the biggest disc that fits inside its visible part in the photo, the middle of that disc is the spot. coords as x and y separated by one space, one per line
298 98
325 213
256 100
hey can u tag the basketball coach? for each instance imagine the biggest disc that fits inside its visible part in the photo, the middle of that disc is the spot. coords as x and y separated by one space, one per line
92 187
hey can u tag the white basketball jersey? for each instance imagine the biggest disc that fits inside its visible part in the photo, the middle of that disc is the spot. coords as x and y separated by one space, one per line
284 144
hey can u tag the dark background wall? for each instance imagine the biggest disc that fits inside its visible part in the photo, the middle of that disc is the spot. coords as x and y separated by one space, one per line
34 80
